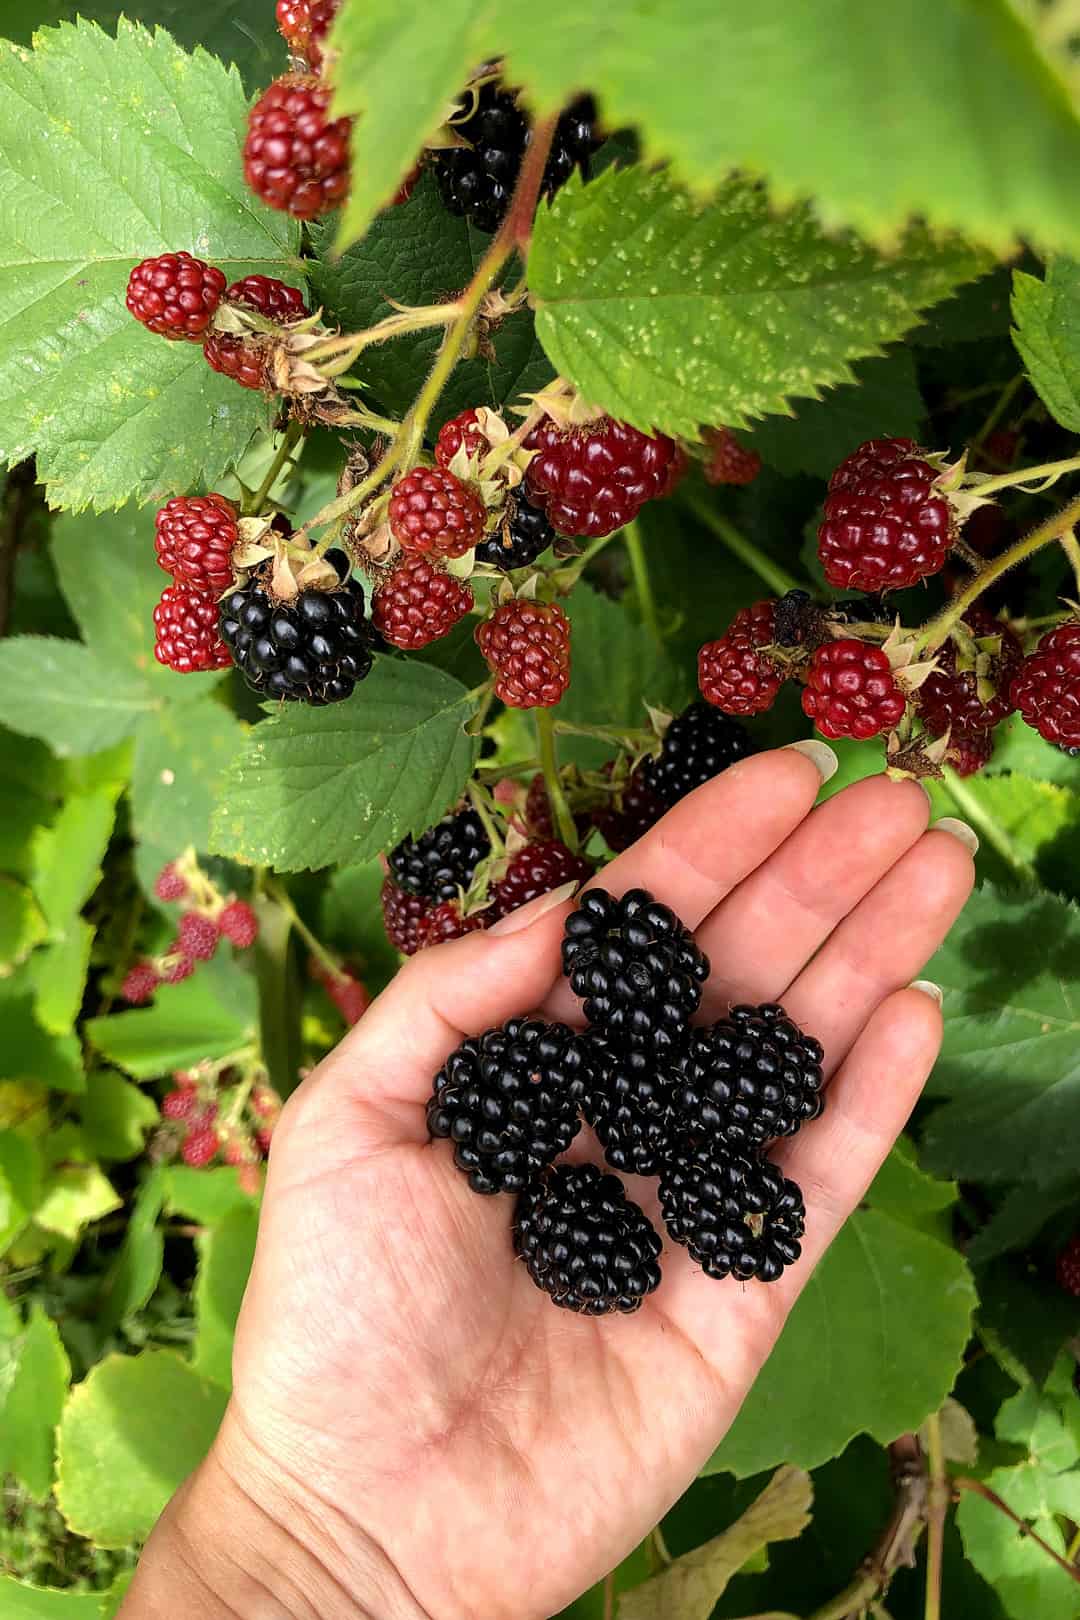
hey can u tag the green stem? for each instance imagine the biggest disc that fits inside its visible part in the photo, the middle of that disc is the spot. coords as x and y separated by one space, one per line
293 434
282 898
481 803
1025 475
639 568
1071 548
937 630
937 1506
775 577
549 765
973 810
279 1000
998 409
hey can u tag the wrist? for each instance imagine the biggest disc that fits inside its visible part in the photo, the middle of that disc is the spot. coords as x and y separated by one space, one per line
236 1542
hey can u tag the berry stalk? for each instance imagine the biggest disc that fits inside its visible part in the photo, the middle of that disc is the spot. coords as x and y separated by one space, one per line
639 568
775 577
937 1507
293 435
1048 471
549 765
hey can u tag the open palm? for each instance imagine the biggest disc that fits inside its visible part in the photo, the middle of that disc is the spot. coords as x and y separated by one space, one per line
399 1380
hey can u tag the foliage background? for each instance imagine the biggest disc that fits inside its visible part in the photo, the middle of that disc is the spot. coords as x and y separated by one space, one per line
905 269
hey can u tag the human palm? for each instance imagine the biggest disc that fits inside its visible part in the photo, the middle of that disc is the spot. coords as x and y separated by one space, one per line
399 1378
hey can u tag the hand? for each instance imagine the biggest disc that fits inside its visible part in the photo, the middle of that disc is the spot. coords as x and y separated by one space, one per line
415 1430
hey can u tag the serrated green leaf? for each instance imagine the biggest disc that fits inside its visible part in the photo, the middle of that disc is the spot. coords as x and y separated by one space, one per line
74 1192
340 784
1039 821
206 1016
58 973
28 1052
226 1251
21 924
1047 334
237 32
421 254
59 691
206 1196
671 313
130 1433
135 1273
115 1115
179 762
113 149
21 1602
1010 1063
884 401
32 1408
873 1345
20 1184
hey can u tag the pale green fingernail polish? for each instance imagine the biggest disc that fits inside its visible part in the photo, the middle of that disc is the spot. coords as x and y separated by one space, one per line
819 754
959 830
928 988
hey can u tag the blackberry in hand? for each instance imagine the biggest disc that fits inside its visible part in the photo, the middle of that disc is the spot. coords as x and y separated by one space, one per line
585 1243
749 1078
636 969
508 1100
699 744
442 860
523 534
628 1104
738 1217
312 650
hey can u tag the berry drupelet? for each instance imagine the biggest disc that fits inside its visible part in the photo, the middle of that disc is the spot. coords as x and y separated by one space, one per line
587 1245
442 860
748 1079
186 631
709 1197
508 1100
526 645
296 157
594 479
311 650
175 295
194 538
885 525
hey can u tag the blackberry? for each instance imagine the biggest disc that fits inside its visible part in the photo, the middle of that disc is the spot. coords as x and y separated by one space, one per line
636 969
476 181
699 744
508 1100
640 810
628 1105
749 1078
539 867
523 534
851 691
406 917
442 860
585 1243
738 1217
312 650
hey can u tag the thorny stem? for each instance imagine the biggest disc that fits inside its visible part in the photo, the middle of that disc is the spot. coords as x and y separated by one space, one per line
1071 547
293 434
775 577
937 1506
564 821
1062 523
639 568
973 810
1021 476
976 1485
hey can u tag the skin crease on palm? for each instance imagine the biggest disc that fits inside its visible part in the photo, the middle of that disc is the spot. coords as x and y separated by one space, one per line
407 1407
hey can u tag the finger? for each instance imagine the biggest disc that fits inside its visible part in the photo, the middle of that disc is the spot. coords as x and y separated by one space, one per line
713 839
834 1161
766 931
883 944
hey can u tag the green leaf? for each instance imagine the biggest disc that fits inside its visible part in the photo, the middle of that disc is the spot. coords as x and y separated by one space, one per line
237 32
59 974
340 784
20 1184
206 1016
352 920
900 1188
671 313
691 1586
21 1602
136 1271
226 1251
1010 1063
115 1115
1047 334
416 254
1020 1217
29 783
28 1052
75 1192
32 1409
873 1345
114 149
21 924
59 691
206 1196
1018 748
1023 1320
884 401
179 762
68 856
131 1432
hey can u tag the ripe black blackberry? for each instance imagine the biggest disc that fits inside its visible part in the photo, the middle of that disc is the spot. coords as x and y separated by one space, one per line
477 180
700 742
508 1100
442 860
628 1104
636 969
522 536
739 1217
311 650
749 1078
584 1242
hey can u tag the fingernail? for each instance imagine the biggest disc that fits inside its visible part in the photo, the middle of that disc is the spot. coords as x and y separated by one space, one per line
928 988
525 916
959 830
819 754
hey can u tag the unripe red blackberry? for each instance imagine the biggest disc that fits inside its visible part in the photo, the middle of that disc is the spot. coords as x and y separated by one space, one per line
296 157
447 921
432 511
186 631
640 810
728 461
958 698
176 964
969 751
170 884
462 429
526 645
418 603
885 526
405 917
242 358
541 866
594 479
140 984
179 1104
239 925
175 295
1068 1267
733 673
200 1147
195 536
851 690
1046 688
304 25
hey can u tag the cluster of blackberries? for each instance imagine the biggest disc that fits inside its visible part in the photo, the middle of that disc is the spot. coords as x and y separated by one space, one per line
695 1107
